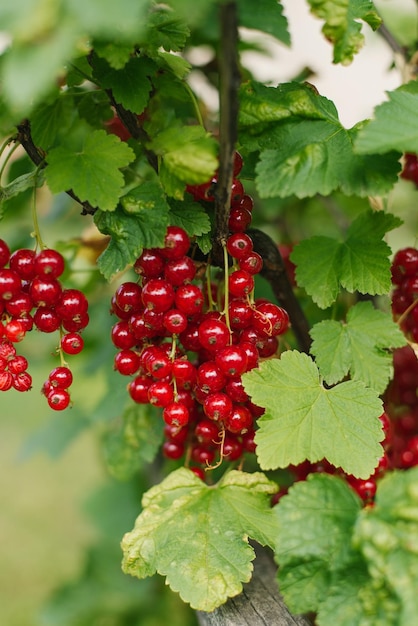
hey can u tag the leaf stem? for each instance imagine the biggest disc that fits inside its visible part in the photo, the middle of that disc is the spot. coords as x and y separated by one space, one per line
6 160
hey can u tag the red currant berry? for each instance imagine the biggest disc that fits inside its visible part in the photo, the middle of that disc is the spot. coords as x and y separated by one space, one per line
239 219
58 399
232 448
138 389
184 372
6 380
235 390
176 414
19 305
217 406
189 299
46 320
240 314
252 263
237 191
22 262
232 361
239 245
126 362
72 343
72 305
240 283
239 420
207 432
160 394
238 163
203 455
180 271
158 294
173 450
22 381
175 321
209 377
150 264
10 284
122 335
270 320
158 365
78 323
128 297
45 292
246 202
4 253
18 364
14 331
213 334
61 377
49 263
176 243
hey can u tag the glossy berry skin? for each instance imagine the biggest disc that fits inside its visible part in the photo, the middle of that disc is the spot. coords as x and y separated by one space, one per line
232 448
22 381
4 253
270 320
45 292
122 336
213 335
72 343
72 304
209 377
10 284
138 389
126 362
240 314
410 168
49 263
239 420
22 262
252 263
217 406
176 243
232 361
207 432
6 380
239 220
189 299
175 321
61 377
239 245
158 295
58 399
150 264
405 264
14 331
176 414
173 450
240 283
184 372
180 271
46 319
18 364
128 297
160 394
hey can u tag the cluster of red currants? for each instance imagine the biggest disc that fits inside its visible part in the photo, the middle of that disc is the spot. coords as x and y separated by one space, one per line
186 341
405 293
32 296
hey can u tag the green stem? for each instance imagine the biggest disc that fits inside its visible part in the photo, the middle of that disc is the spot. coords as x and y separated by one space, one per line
6 160
36 229
226 305
195 105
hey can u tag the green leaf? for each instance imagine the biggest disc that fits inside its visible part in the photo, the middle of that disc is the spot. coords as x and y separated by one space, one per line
359 263
166 30
104 18
21 184
190 216
395 124
359 347
30 72
133 440
189 153
303 143
131 85
388 538
342 26
146 227
116 54
197 535
93 172
315 526
268 18
304 420
51 119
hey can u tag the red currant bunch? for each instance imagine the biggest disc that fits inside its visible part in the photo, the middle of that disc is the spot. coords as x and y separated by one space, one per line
405 293
33 297
185 345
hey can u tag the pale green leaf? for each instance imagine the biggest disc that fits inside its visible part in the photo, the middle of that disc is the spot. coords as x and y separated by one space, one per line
133 440
268 18
359 263
304 420
359 347
116 54
188 152
21 184
104 18
197 535
395 124
166 30
388 538
342 24
130 234
93 172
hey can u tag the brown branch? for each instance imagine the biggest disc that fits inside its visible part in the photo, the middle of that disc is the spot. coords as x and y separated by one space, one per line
38 156
392 42
274 271
229 81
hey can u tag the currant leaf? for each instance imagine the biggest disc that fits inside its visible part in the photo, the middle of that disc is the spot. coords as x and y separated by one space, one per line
188 152
315 527
268 18
342 26
93 172
359 346
304 420
197 536
190 216
131 85
395 126
133 440
129 234
360 262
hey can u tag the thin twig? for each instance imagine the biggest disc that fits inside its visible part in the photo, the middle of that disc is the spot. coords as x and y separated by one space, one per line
229 81
393 43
